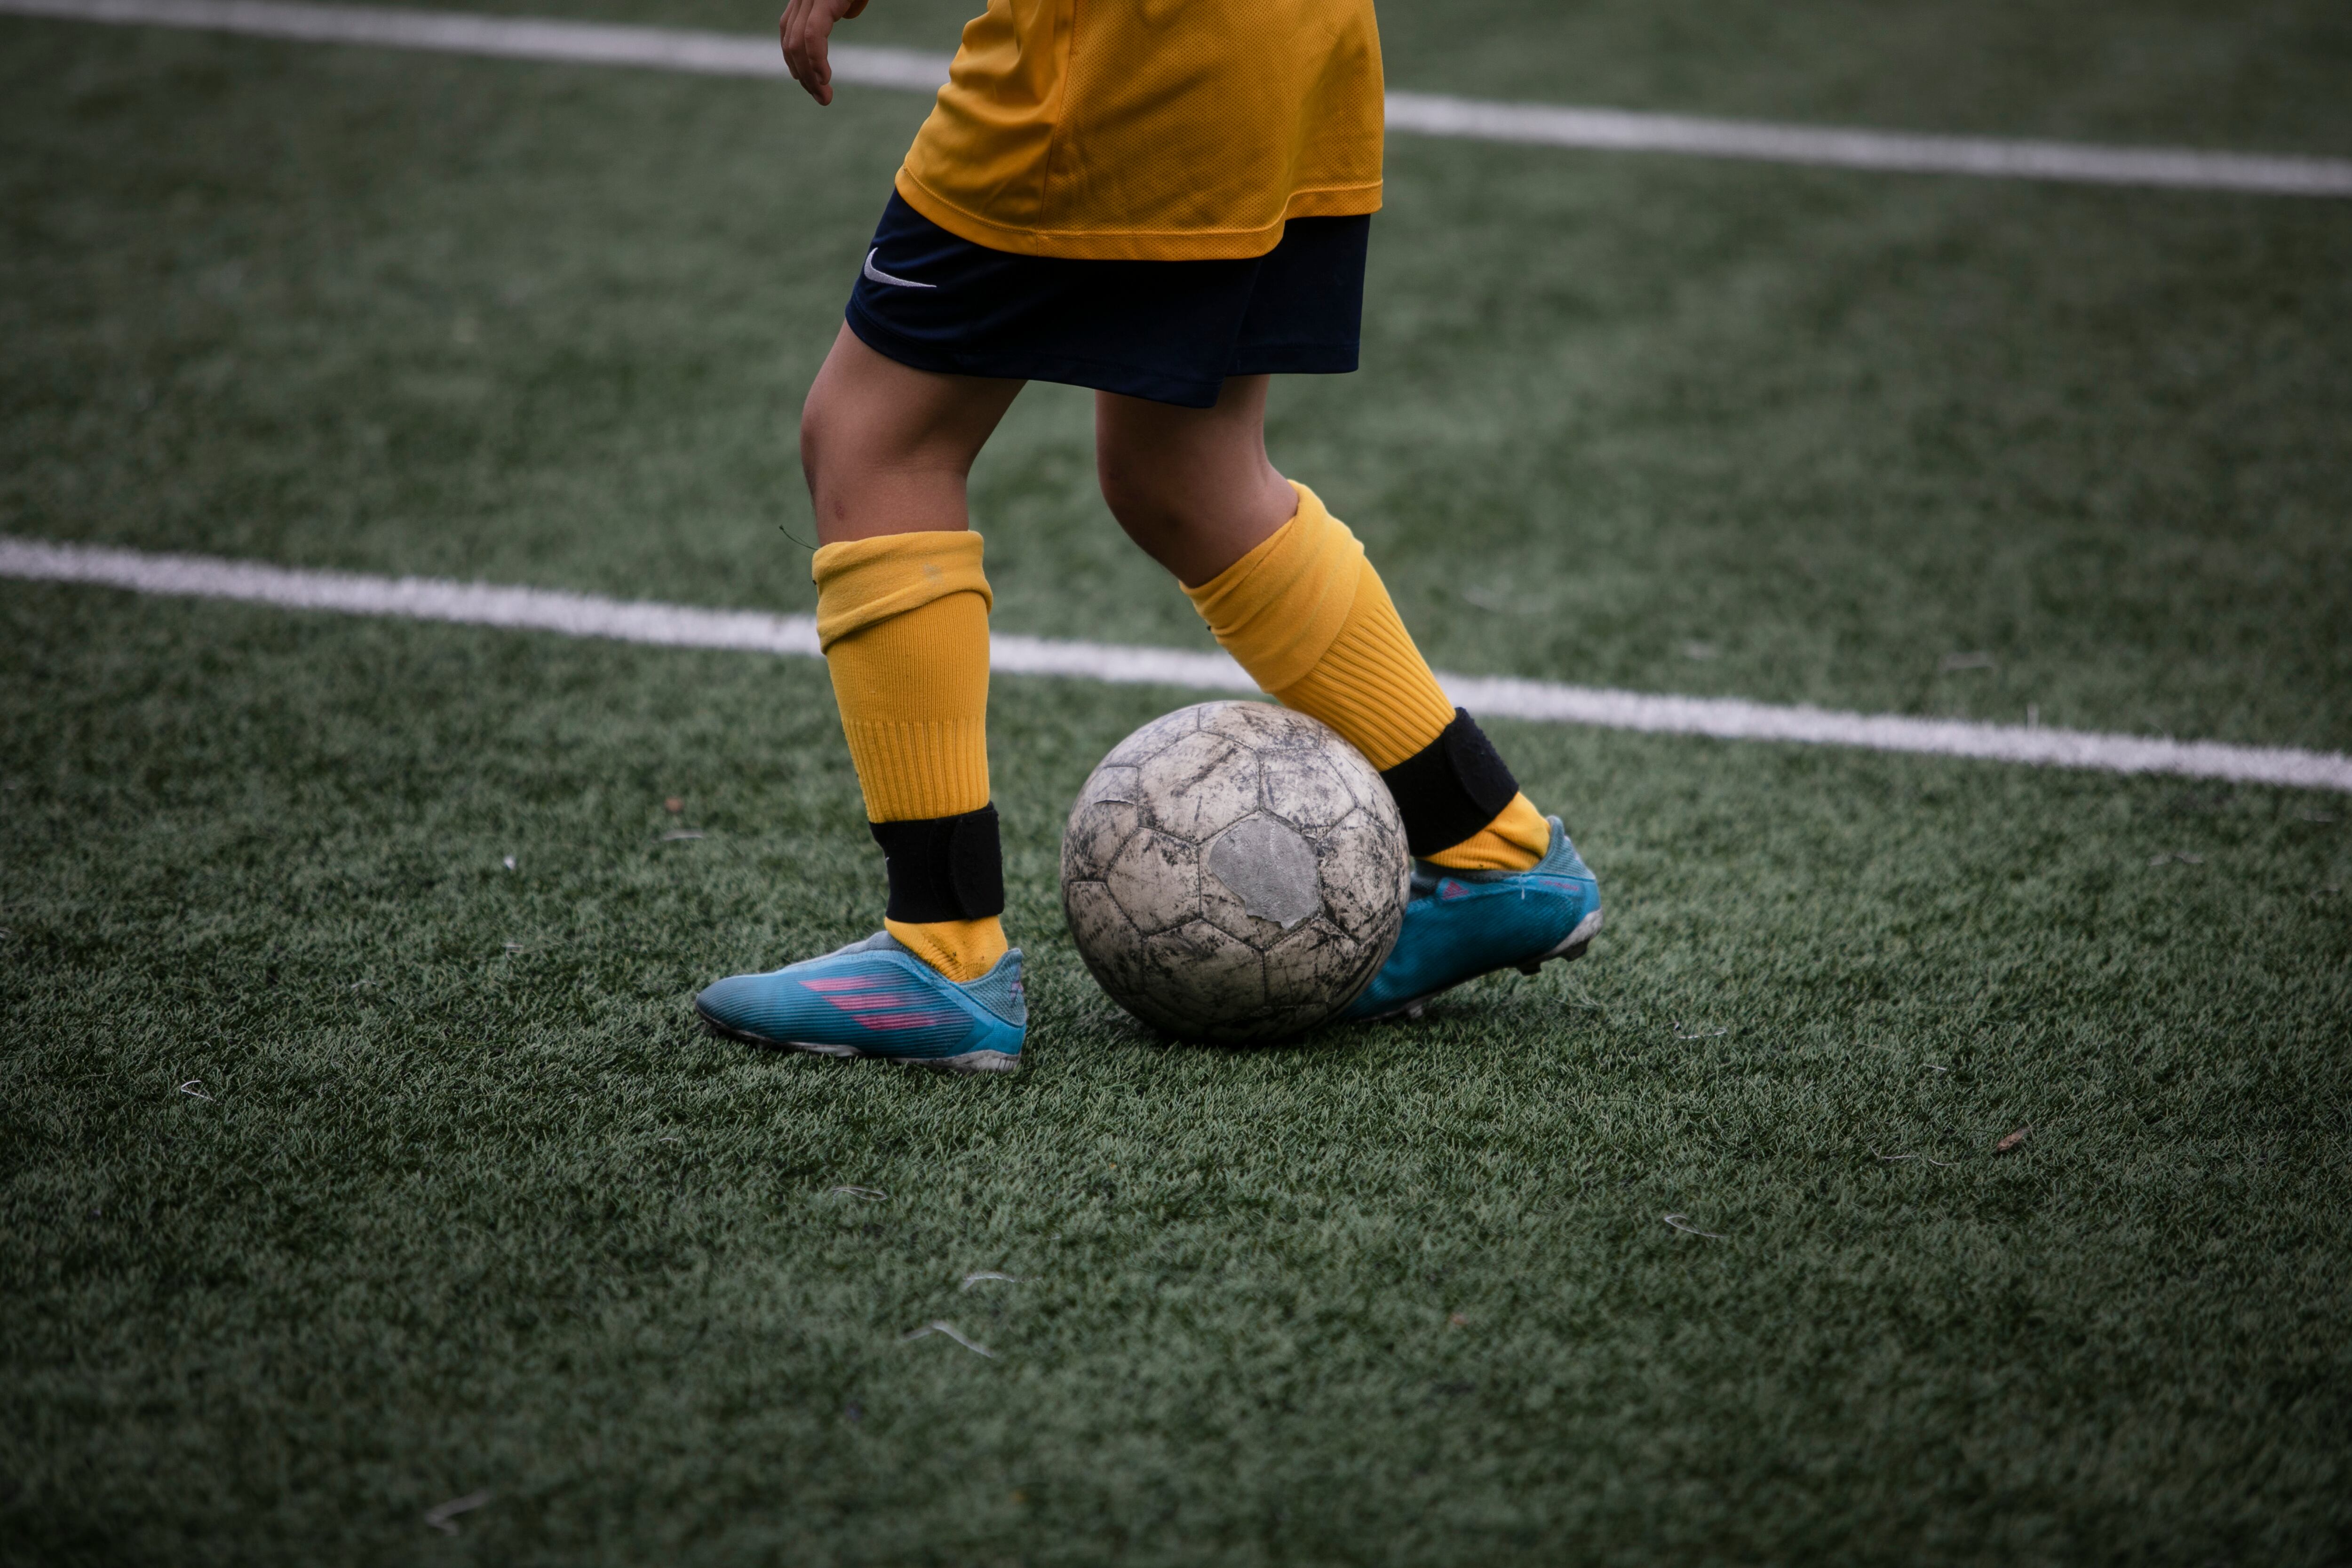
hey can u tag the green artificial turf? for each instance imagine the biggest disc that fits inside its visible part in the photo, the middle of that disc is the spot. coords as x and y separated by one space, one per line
456 1199
472 1204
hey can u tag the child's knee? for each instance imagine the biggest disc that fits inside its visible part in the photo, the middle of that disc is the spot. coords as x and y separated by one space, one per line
821 430
1134 485
1126 488
850 423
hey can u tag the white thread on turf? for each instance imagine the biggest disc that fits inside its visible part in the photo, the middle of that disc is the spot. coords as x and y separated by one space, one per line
1676 1221
680 625
443 1517
948 1330
1419 113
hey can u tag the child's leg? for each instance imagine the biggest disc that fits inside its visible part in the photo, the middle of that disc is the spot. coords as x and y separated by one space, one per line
902 615
1288 590
1191 486
886 449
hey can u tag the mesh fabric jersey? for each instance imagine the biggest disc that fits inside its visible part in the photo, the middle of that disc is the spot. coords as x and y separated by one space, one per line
1151 129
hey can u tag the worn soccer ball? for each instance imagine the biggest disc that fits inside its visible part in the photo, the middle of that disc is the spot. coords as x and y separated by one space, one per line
1234 871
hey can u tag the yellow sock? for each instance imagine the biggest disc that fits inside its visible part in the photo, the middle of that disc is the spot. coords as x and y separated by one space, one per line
960 949
1514 841
1313 624
903 620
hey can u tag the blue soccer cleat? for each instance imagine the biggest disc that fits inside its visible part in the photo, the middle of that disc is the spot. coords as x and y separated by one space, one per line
873 998
1461 924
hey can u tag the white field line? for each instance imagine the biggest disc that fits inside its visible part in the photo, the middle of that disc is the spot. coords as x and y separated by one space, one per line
1999 158
680 625
1426 115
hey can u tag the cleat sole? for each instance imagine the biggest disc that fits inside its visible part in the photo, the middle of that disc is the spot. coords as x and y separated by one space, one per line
1571 947
969 1061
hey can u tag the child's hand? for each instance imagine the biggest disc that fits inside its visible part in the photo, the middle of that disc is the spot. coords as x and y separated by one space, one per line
804 29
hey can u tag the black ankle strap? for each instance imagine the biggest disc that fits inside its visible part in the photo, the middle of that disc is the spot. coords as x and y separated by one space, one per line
944 868
1452 787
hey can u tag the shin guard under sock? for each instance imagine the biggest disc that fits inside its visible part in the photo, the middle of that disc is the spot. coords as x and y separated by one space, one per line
1310 620
903 621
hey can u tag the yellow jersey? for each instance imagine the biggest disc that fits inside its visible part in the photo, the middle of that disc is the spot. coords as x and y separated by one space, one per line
1151 129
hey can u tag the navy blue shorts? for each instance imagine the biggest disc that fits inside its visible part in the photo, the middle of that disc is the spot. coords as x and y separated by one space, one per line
1168 330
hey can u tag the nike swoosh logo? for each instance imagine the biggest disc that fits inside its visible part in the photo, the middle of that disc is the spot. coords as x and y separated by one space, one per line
879 276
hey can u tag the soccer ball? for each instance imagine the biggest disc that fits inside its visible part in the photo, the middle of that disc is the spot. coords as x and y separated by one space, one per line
1234 871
